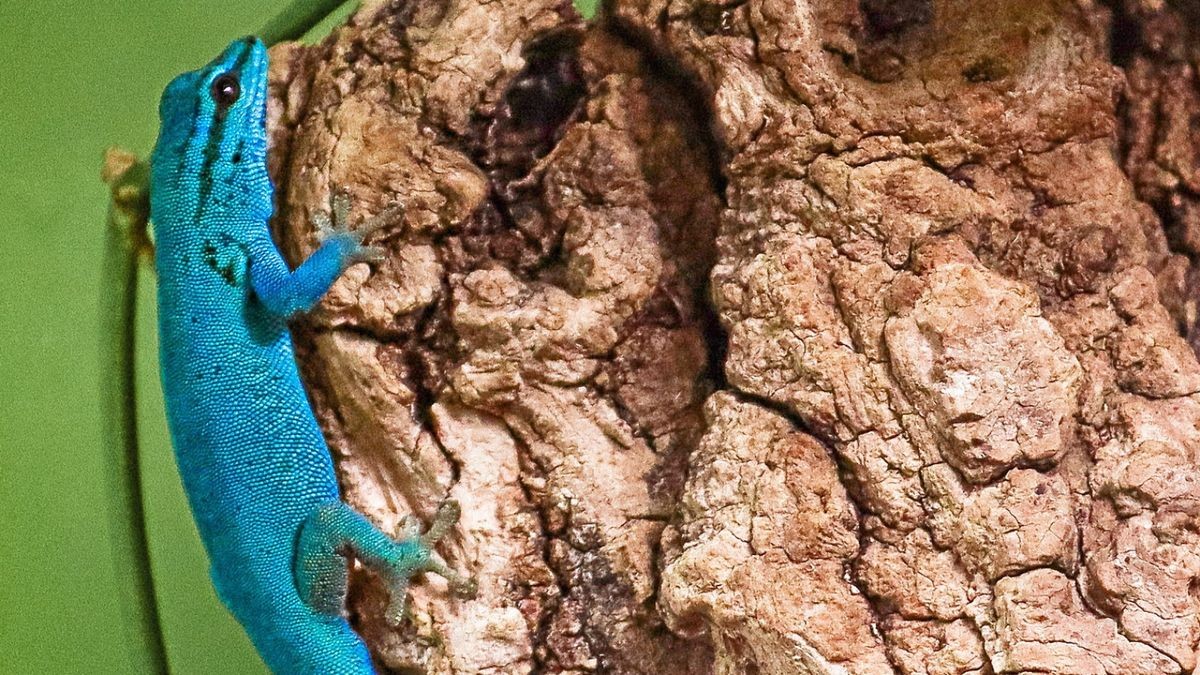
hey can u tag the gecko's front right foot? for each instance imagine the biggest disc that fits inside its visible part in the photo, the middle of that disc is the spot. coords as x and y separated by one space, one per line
415 556
336 224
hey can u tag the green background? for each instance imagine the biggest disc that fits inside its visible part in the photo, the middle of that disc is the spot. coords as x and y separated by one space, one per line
76 77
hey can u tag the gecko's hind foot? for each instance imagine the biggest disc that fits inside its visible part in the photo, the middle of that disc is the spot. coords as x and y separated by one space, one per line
445 519
415 556
464 587
368 254
409 528
397 609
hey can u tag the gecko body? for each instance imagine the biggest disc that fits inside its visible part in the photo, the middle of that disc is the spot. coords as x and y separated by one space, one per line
254 463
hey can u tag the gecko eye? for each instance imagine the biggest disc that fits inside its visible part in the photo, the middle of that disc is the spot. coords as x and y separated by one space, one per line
226 89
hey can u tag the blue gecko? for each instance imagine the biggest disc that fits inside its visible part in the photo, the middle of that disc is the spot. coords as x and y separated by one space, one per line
254 463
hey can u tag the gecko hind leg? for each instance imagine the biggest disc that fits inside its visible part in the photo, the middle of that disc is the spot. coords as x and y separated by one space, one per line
335 529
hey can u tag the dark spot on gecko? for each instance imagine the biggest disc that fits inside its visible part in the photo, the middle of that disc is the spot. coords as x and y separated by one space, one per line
227 274
237 158
225 269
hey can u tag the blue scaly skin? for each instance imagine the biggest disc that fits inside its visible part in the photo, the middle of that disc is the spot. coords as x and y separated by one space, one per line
255 465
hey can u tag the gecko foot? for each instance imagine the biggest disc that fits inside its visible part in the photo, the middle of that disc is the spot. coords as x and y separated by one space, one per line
415 556
336 223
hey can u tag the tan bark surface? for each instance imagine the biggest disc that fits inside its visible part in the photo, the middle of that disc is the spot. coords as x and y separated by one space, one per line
772 336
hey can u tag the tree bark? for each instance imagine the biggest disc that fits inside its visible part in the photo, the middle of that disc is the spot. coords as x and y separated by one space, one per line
772 336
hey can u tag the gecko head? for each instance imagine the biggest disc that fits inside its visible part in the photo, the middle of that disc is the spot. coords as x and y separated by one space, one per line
212 143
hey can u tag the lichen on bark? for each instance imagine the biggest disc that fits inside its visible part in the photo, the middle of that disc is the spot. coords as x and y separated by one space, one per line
765 336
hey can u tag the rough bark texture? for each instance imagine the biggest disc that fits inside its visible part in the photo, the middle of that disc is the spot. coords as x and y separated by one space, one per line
766 336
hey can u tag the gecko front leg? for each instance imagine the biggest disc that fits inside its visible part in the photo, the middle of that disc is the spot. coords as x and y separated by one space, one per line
285 292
